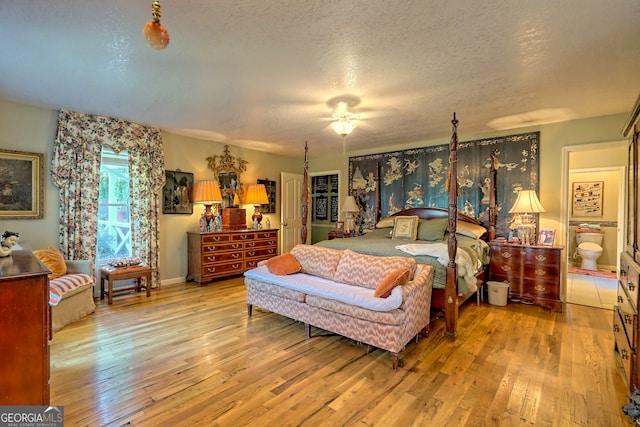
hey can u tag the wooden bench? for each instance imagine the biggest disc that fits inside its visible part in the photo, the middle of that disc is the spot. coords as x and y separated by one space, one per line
112 274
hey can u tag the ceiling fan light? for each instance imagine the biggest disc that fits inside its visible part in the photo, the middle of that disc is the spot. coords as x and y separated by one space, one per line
343 126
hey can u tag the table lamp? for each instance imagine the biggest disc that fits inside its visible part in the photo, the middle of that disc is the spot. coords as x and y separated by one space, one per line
526 203
350 207
256 196
207 192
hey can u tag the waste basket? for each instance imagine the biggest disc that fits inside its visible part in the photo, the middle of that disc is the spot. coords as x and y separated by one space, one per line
498 293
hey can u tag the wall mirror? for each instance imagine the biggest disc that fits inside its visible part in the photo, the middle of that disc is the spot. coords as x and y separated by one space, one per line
227 169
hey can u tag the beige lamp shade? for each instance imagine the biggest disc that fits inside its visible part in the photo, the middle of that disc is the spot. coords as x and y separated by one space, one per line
527 202
350 205
207 192
256 195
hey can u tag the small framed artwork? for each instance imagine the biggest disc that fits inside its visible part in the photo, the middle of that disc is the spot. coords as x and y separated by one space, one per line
21 185
271 194
546 237
587 198
340 226
177 194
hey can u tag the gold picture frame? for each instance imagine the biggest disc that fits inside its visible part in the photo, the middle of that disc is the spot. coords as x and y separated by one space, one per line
21 185
340 226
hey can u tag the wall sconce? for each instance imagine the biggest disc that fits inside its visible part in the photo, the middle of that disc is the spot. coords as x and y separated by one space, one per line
526 203
256 196
350 207
207 193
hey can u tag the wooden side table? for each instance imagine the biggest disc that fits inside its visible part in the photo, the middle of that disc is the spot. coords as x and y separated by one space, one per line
113 274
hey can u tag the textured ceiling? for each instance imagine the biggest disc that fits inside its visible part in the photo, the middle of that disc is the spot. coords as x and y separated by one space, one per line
259 73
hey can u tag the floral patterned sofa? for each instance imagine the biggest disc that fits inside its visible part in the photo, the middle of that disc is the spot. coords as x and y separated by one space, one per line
336 290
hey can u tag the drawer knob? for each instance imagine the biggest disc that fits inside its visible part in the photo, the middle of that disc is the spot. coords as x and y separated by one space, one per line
243 237
619 299
540 288
627 319
237 246
540 272
624 354
506 254
251 244
541 257
631 286
505 268
271 251
251 253
236 256
236 266
211 269
616 328
211 248
211 258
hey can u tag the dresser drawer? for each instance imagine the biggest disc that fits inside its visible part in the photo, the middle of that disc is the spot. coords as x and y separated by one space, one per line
256 244
221 247
629 278
540 288
208 239
218 257
223 269
625 350
261 253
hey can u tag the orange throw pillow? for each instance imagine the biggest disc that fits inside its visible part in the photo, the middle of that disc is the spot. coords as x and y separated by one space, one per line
391 280
284 264
54 261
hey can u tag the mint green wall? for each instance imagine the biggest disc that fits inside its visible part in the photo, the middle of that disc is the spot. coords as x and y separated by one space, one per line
553 137
29 128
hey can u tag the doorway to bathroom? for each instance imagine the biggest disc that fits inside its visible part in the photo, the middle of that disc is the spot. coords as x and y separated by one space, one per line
604 166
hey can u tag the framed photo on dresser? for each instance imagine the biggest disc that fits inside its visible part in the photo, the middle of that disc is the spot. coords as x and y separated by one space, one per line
546 237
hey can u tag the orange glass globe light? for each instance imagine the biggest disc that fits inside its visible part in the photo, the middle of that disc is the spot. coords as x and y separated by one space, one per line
156 35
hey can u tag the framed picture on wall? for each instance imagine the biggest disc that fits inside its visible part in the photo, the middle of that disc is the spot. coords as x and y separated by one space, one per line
587 198
21 185
177 193
271 195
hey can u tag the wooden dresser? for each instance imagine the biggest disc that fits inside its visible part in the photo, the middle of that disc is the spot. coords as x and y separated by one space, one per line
228 253
532 272
625 315
25 330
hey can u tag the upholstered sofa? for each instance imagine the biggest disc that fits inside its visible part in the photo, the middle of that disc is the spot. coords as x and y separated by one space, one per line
335 290
70 287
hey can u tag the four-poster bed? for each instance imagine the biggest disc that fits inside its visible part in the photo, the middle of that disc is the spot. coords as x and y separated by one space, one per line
449 295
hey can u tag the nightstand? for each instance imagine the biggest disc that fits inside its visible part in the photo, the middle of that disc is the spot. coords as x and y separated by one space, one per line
532 272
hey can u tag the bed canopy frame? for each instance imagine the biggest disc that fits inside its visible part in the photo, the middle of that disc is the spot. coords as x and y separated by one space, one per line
449 300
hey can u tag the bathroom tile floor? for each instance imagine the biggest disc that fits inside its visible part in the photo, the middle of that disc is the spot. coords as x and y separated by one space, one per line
599 292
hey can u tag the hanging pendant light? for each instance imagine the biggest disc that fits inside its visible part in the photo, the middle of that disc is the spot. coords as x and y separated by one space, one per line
155 34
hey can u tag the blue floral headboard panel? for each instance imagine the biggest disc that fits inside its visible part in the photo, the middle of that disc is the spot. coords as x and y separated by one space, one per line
417 177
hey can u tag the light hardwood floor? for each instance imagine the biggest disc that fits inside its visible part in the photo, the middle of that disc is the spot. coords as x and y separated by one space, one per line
189 356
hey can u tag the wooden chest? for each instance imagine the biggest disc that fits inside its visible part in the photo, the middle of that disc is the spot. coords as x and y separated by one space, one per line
234 219
532 272
228 253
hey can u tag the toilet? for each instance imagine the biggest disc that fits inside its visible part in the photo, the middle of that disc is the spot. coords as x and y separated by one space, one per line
589 247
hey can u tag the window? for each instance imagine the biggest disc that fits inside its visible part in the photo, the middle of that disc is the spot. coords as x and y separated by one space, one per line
114 224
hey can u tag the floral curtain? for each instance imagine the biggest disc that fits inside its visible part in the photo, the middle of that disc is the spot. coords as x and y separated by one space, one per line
76 172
